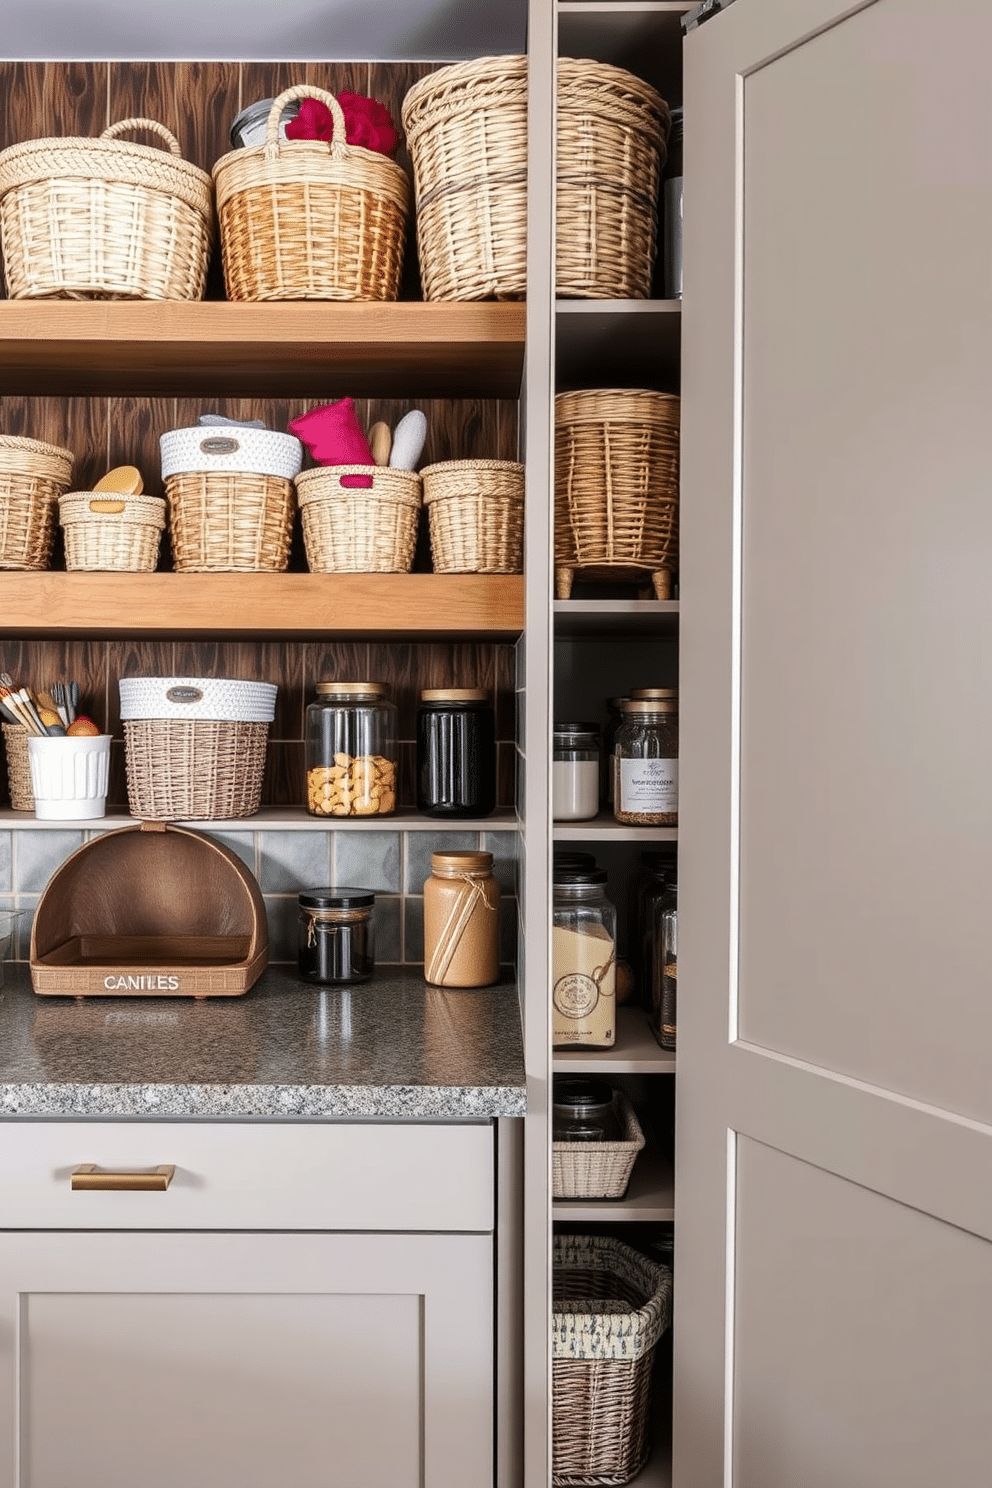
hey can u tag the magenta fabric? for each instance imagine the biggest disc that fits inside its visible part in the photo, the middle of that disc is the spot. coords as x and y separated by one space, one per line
333 434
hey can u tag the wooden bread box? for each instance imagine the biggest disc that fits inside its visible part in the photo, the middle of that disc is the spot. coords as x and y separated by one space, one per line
153 910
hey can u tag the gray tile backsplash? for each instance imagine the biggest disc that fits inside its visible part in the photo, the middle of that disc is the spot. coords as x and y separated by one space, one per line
420 845
38 854
6 862
368 860
291 861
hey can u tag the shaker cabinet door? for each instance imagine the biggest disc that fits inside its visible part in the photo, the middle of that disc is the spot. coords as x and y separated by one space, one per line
244 1361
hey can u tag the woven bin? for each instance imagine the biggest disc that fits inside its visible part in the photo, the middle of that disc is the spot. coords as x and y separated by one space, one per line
616 487
230 521
104 218
111 533
33 476
359 529
15 739
475 509
611 1305
308 220
597 1170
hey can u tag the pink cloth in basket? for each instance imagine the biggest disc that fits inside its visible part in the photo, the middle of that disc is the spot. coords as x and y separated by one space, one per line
334 436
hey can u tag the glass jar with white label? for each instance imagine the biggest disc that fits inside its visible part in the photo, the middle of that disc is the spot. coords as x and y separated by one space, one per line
646 782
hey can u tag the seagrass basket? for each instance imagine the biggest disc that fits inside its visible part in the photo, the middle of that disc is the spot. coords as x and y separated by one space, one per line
230 521
616 488
610 1307
352 528
104 218
475 511
111 533
15 740
311 220
33 476
598 1170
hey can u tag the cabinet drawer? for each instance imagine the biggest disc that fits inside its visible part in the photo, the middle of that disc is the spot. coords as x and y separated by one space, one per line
237 1176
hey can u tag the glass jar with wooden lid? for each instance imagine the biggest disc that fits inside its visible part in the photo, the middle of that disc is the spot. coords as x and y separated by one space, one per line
461 921
351 751
646 783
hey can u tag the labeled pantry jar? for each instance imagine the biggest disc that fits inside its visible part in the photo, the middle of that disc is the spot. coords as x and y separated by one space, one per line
335 936
461 921
575 772
583 960
456 752
646 779
351 751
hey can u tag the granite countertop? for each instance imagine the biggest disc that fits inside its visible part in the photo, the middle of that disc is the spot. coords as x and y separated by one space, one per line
393 1048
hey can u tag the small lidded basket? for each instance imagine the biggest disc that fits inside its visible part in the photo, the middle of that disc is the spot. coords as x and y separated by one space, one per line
33 475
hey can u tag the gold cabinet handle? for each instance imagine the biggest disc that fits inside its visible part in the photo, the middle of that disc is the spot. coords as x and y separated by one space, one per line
153 1180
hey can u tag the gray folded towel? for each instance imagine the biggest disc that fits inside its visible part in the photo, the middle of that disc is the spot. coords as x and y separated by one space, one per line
216 419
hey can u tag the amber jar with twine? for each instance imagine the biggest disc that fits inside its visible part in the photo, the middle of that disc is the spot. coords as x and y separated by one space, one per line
461 921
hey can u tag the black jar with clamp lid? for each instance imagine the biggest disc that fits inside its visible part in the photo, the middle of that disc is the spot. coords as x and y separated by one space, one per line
335 936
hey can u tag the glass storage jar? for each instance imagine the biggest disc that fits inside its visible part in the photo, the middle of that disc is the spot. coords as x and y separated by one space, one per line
461 921
657 871
583 1111
663 966
583 960
335 935
575 772
456 752
646 786
614 718
351 752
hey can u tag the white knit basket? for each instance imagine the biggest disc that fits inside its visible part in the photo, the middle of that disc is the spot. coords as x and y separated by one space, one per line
208 447
218 698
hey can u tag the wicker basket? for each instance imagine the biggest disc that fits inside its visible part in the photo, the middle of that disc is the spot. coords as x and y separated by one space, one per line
611 1305
363 529
307 220
597 1170
112 533
616 487
230 522
475 509
104 218
33 476
15 739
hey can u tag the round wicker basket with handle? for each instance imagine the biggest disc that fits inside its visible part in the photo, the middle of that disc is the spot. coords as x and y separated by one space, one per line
33 475
104 218
304 219
111 533
367 528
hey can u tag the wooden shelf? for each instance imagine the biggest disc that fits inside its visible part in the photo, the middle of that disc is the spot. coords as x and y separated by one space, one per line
650 1197
287 349
636 1051
275 604
274 819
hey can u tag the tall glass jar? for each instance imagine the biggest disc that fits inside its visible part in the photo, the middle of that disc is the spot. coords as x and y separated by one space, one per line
663 966
575 772
583 960
657 871
456 752
351 752
614 718
461 921
646 789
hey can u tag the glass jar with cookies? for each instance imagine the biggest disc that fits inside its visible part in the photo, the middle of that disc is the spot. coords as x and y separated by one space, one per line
351 751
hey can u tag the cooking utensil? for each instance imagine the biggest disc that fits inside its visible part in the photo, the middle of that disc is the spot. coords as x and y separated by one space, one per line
408 440
380 443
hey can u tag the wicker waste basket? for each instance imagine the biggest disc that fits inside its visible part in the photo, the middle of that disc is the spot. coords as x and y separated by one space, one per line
33 475
369 527
611 1305
105 218
475 510
616 487
112 534
15 740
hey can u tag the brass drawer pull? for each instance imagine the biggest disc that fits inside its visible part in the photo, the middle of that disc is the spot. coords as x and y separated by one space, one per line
154 1180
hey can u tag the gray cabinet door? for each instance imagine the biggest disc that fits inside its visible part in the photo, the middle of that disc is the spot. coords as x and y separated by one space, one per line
834 1169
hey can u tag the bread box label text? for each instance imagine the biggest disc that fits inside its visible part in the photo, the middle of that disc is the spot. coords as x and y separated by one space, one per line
154 983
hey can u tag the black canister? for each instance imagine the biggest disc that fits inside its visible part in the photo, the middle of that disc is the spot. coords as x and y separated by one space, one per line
456 752
335 939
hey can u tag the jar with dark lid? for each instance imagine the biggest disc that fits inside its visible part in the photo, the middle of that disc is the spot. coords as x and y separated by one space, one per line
456 752
351 752
658 870
583 1111
461 921
249 127
335 935
583 960
575 772
646 783
564 859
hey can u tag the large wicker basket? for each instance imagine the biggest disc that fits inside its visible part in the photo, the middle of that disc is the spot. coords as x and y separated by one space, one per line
230 521
611 1305
104 218
308 220
113 534
475 510
15 740
33 476
616 487
367 528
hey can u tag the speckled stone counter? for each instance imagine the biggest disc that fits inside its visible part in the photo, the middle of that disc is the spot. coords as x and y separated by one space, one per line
392 1048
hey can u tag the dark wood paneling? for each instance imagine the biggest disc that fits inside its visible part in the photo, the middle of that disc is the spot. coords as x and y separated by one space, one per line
42 100
195 101
76 424
252 661
388 84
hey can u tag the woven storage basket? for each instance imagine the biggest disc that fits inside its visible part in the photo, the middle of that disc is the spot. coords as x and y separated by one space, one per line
354 529
15 739
111 533
227 448
104 218
33 476
616 487
611 1305
475 510
230 522
597 1170
308 220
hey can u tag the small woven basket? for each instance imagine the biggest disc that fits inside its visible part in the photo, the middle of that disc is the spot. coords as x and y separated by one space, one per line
475 510
597 1170
111 533
104 218
611 1305
15 739
33 476
359 529
230 522
310 220
616 487
194 769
